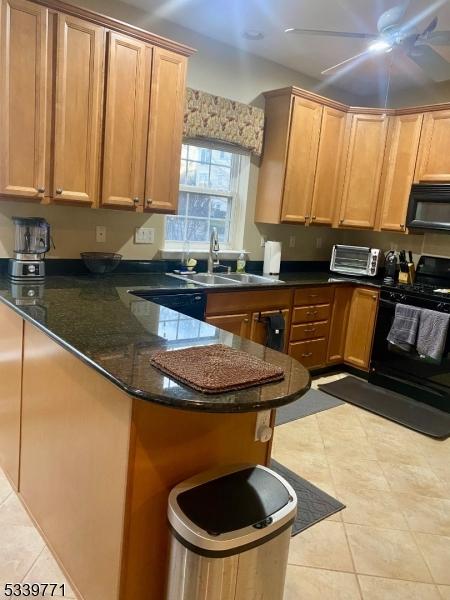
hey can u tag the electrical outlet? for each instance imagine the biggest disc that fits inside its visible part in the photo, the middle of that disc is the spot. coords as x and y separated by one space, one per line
100 234
292 241
318 242
144 235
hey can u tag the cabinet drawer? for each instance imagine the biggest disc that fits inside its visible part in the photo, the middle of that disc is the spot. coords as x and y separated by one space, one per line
319 295
307 314
309 331
310 354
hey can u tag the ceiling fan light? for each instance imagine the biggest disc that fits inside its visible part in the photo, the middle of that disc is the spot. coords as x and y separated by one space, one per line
380 46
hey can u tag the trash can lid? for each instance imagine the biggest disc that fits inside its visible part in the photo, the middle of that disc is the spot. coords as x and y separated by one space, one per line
234 501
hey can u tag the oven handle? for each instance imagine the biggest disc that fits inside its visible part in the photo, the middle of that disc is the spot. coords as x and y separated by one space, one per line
388 302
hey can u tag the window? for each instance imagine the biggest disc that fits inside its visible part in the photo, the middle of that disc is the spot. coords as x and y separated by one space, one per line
211 195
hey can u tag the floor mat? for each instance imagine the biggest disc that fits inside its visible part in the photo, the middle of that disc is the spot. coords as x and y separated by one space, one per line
309 404
314 505
391 405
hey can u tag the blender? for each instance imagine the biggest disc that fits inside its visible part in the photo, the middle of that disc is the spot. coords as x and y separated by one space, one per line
31 242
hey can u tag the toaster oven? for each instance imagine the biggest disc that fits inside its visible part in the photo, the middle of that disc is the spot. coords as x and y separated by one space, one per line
356 260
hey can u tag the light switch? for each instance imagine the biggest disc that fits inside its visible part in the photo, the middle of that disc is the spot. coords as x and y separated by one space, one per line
292 241
144 235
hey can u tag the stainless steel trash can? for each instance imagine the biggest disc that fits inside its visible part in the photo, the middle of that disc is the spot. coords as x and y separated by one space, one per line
230 533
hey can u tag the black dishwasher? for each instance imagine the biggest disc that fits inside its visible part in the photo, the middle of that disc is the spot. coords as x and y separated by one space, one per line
192 304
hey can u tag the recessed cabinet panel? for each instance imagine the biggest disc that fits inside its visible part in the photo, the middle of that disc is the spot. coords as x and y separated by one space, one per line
79 78
301 161
126 121
434 151
363 171
238 324
165 131
361 323
23 91
330 163
400 163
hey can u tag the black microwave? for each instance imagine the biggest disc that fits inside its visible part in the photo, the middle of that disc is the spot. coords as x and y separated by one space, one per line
429 207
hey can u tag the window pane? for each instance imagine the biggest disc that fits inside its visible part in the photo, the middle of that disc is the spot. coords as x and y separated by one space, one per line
182 203
222 229
220 207
175 229
184 151
197 174
198 205
183 172
219 157
197 230
220 178
199 154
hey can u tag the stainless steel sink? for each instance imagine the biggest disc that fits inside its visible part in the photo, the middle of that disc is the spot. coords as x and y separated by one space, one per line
249 279
204 279
215 280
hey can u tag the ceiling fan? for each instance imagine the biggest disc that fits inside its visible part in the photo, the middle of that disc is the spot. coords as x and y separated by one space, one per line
395 35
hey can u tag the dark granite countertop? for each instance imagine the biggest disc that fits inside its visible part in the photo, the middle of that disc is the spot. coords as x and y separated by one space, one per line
97 319
115 332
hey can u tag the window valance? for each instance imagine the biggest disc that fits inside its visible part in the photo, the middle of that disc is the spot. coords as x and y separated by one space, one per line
220 119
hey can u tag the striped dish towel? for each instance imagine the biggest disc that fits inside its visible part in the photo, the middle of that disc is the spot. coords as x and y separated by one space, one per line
403 333
432 334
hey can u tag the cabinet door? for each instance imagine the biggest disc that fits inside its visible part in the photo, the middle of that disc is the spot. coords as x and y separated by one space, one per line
238 324
338 325
259 328
23 90
165 131
399 166
434 150
11 326
80 48
330 166
301 161
361 323
363 170
126 121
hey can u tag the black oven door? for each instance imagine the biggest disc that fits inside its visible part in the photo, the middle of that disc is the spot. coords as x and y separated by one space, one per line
429 207
405 372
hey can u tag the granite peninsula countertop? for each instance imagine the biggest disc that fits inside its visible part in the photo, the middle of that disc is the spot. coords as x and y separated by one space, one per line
113 331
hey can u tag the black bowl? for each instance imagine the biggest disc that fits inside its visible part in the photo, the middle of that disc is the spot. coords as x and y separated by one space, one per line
101 262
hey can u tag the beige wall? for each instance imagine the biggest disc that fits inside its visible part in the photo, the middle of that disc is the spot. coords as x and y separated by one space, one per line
222 70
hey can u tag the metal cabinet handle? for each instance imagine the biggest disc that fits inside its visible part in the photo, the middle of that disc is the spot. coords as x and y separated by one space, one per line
307 354
247 320
313 295
41 190
310 330
136 199
59 190
375 297
307 217
312 312
341 221
313 218
149 201
402 225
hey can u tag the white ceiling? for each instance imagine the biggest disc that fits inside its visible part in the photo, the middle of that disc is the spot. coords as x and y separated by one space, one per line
226 20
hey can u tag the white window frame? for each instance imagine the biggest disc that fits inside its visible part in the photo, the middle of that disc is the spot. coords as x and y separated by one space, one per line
240 180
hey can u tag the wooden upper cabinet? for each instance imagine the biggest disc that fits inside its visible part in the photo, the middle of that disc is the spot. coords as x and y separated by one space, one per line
361 325
329 170
301 160
399 167
23 91
126 121
80 49
433 163
363 170
165 131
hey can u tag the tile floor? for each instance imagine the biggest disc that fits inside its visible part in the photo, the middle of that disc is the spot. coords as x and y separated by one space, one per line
392 542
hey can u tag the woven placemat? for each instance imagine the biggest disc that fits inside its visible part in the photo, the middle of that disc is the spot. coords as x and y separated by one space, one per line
215 369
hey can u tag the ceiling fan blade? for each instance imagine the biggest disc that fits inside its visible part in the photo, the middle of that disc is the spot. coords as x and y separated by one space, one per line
431 9
342 34
345 62
439 38
392 17
431 27
435 66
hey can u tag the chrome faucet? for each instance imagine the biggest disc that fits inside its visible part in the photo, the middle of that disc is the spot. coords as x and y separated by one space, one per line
213 257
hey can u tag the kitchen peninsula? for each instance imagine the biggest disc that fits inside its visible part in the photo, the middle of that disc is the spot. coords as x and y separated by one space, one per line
101 436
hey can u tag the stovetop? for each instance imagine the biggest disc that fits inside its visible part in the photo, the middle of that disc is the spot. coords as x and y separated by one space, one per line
421 290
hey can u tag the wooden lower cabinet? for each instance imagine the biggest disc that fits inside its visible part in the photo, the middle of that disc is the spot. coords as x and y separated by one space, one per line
361 325
238 324
258 332
11 327
338 325
311 353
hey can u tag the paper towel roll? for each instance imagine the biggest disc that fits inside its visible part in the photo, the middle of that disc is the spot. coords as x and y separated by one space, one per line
272 258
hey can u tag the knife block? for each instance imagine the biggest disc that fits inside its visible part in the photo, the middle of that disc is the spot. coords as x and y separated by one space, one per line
409 277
